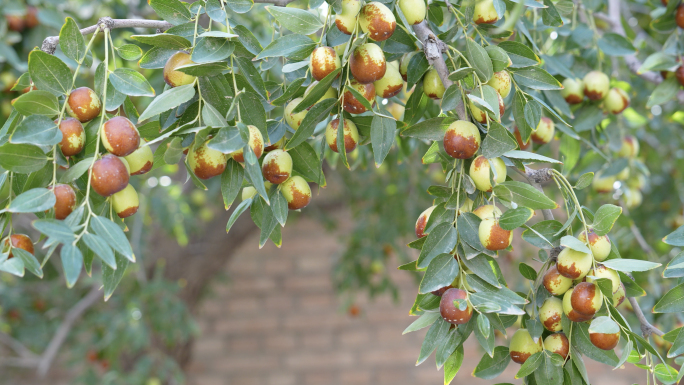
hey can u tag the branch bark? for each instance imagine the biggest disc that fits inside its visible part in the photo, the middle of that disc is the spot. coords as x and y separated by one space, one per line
646 328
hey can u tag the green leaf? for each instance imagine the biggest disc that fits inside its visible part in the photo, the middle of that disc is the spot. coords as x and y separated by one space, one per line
317 91
498 141
14 266
527 271
530 365
296 20
524 195
536 78
362 99
664 92
521 55
480 265
435 335
672 301
37 130
658 61
575 244
279 206
240 6
440 273
491 367
37 102
441 239
613 44
72 263
519 104
603 324
129 52
74 172
628 265
295 47
252 75
164 40
515 218
453 364
113 235
461 74
171 98
550 16
241 208
100 247
111 277
677 347
580 339
530 157
172 11
29 260
430 129
499 57
33 201
227 140
666 374
71 41
383 131
422 322
674 269
22 158
605 218
156 57
543 234
316 115
268 223
58 230
584 181
212 49
305 162
49 73
550 373
131 82
479 59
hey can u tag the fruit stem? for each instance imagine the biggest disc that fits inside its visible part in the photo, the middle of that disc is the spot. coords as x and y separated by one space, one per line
568 186
325 26
194 36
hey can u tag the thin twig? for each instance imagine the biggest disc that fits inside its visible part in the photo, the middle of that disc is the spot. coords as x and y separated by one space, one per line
646 328
17 346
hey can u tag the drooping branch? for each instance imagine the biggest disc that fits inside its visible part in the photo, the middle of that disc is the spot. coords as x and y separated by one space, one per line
646 328
434 48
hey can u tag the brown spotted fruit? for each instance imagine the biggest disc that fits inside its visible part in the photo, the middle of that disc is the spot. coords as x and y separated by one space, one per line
391 83
608 338
109 175
480 172
346 21
377 21
73 136
492 236
293 119
83 104
120 136
487 211
413 10
354 106
65 201
571 313
32 17
573 264
461 139
206 162
485 13
403 64
557 343
619 295
679 16
15 23
455 313
18 241
422 221
277 166
324 60
297 192
256 142
679 73
367 63
172 76
629 147
599 244
586 298
501 82
351 135
550 314
600 271
555 283
481 115
616 101
432 84
523 346
544 131
573 91
596 85
141 160
518 138
125 203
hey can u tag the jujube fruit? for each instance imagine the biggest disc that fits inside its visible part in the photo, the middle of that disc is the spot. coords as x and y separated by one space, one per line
19 241
605 341
346 21
109 175
206 162
555 283
294 120
422 221
297 192
324 60
599 245
403 64
391 84
550 314
573 91
573 264
351 104
544 131
501 82
172 76
277 166
481 115
557 343
141 160
120 136
616 101
480 171
367 63
256 143
485 13
83 104
596 85
492 236
603 184
571 313
73 136
351 135
450 312
679 16
600 271
65 201
523 346
586 298
125 203
432 84
462 139
377 21
413 10
629 147
487 211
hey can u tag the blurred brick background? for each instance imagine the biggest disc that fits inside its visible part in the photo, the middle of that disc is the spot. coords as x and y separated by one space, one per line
275 319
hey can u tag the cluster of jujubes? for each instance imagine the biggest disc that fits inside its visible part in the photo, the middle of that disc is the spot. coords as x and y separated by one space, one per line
596 87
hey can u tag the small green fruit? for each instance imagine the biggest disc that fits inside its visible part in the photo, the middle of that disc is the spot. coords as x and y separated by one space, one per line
413 10
277 166
586 298
555 283
501 81
616 101
294 120
403 64
205 162
550 314
120 136
422 221
83 104
557 343
523 346
596 85
256 142
485 13
462 139
629 148
481 115
544 132
297 192
633 198
176 78
573 264
125 203
480 171
351 135
599 245
487 211
603 184
573 91
466 207
432 84
346 21
248 192
492 236
141 160
377 21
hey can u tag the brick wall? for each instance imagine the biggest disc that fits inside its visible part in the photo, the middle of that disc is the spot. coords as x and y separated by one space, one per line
276 320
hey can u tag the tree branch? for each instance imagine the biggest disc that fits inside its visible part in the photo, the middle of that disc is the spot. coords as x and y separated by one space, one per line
50 43
17 346
434 48
646 328
61 334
